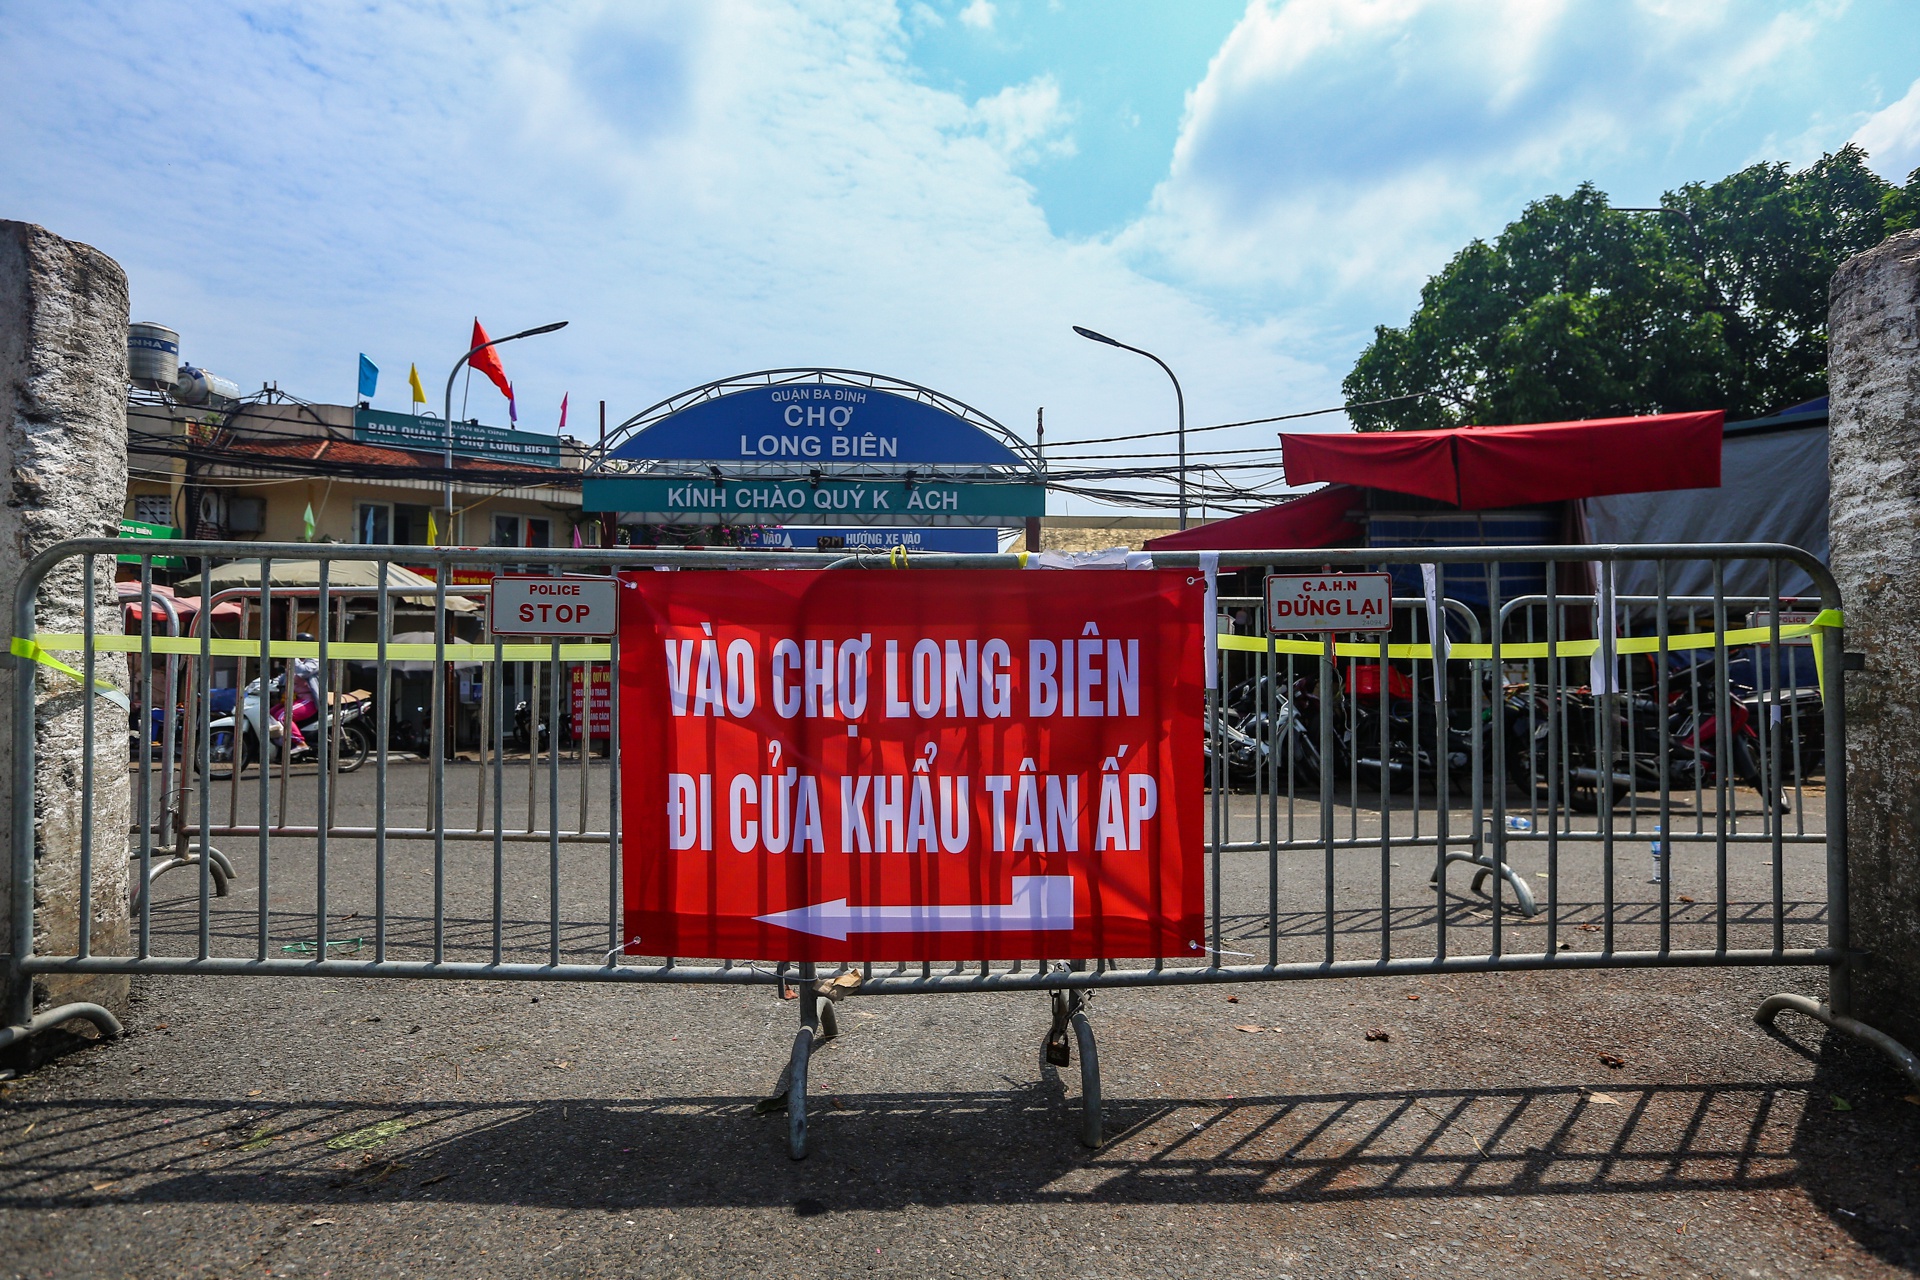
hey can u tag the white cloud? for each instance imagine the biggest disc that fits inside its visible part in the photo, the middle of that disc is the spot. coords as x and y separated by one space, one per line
1892 137
1354 144
701 190
979 15
1026 121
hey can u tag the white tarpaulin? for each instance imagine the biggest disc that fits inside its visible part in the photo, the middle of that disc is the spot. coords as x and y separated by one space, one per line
1773 488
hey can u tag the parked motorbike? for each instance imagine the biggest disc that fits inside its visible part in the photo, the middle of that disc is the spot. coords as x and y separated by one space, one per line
1254 729
523 728
243 733
1409 747
1699 748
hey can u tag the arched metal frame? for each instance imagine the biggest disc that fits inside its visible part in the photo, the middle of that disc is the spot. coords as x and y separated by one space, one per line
605 464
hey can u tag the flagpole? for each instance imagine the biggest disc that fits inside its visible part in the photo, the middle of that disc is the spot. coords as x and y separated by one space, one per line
454 373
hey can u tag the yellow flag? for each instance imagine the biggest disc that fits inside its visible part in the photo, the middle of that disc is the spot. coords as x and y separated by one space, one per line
433 532
413 380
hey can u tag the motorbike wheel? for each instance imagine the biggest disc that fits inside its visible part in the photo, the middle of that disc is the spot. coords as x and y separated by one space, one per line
220 750
355 746
1306 764
1529 765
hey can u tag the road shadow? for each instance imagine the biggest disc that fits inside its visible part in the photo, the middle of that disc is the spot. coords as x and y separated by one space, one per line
887 1151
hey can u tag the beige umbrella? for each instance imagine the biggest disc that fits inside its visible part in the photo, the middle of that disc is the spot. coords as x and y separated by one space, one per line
359 577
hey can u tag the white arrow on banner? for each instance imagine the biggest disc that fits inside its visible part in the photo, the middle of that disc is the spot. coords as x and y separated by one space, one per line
1039 902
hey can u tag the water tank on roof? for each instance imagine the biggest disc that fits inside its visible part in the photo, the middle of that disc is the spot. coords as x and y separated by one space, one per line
198 387
153 356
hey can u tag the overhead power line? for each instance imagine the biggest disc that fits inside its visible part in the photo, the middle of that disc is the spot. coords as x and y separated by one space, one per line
1254 422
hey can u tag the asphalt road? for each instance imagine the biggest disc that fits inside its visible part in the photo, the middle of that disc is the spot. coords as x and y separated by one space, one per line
1411 1126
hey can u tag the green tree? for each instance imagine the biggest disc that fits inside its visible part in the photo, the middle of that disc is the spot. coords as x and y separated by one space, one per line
1581 310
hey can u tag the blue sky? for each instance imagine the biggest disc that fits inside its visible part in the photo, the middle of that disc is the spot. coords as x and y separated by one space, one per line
934 189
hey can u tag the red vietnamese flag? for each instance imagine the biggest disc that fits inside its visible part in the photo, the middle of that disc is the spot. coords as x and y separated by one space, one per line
487 360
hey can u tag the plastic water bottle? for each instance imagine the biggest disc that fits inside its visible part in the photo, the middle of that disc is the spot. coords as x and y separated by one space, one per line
1518 825
1660 848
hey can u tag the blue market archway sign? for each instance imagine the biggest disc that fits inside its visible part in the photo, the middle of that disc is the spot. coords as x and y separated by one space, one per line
816 445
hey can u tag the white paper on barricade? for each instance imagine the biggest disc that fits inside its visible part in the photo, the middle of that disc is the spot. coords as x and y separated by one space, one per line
1436 625
1210 565
1600 667
1110 558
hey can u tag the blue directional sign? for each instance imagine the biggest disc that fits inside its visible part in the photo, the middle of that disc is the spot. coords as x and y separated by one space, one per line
818 423
978 541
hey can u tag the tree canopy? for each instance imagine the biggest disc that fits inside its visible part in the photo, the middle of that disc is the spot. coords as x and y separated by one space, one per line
1582 310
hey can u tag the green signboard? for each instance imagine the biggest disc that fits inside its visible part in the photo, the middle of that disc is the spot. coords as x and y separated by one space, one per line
428 434
925 502
141 529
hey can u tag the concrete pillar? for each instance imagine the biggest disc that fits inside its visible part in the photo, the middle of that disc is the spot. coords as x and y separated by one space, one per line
1874 462
63 452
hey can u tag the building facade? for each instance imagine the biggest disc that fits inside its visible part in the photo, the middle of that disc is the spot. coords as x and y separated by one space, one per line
273 469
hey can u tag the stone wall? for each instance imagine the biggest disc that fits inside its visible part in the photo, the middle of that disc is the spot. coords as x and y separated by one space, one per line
63 385
1874 366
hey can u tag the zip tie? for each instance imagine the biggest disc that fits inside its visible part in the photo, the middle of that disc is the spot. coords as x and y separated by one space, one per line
897 557
32 652
1221 951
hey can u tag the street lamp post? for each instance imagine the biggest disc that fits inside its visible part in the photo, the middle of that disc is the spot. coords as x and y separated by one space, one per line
458 365
1179 398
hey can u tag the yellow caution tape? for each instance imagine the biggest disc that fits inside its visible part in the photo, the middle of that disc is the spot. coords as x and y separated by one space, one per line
339 650
1542 649
363 651
36 653
1826 619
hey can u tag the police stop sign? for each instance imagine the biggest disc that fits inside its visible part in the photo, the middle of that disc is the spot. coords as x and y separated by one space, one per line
525 604
924 765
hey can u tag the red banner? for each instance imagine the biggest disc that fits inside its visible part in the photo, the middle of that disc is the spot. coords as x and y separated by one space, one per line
912 765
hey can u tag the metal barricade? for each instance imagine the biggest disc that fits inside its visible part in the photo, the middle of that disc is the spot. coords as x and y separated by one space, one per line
1354 782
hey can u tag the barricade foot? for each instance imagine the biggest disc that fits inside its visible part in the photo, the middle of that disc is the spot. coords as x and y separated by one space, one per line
1523 900
219 869
1090 1131
100 1017
1903 1057
797 1094
1069 1010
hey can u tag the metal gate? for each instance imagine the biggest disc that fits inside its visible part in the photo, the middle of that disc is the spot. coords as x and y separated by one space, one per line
1580 779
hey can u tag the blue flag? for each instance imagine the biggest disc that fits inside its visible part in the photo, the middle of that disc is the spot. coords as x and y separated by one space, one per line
369 375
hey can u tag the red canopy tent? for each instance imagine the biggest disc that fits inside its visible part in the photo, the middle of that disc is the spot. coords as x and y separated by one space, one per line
1316 520
1483 468
1473 468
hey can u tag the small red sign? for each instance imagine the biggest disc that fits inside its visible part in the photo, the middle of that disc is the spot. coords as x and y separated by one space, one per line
935 764
460 578
602 722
